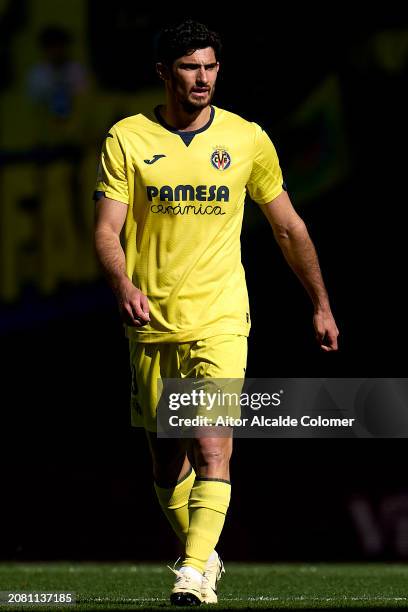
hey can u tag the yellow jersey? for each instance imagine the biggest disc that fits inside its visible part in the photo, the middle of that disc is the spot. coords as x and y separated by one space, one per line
185 193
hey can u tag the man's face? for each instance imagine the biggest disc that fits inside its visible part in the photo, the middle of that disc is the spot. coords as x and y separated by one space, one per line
192 79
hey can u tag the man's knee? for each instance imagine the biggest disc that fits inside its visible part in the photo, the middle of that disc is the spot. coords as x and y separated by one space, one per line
169 459
212 452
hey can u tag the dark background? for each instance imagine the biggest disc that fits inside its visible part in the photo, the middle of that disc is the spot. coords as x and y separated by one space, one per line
331 91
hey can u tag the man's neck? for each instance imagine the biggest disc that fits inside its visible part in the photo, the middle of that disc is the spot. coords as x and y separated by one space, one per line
177 118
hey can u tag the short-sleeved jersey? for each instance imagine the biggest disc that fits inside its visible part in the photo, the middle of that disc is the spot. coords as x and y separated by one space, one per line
186 192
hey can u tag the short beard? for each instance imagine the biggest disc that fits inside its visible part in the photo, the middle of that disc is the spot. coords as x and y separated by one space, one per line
191 108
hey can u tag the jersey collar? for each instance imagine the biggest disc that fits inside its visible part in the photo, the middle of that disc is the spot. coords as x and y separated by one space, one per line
186 137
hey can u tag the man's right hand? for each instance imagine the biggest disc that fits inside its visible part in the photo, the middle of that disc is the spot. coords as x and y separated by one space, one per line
110 216
133 304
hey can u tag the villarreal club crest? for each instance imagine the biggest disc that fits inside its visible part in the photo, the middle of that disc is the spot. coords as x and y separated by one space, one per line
220 158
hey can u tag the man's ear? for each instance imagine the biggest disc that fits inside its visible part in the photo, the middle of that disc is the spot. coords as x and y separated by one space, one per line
163 71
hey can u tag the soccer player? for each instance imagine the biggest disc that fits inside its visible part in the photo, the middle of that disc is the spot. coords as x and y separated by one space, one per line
175 181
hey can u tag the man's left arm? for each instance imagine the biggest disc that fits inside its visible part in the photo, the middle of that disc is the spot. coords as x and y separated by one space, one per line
293 238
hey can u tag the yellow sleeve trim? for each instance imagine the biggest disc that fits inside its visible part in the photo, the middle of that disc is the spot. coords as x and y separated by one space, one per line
114 195
271 196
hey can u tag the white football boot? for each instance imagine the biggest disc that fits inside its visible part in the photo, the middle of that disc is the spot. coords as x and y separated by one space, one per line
212 574
187 588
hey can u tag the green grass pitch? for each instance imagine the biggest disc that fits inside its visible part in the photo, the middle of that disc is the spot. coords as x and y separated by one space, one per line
126 586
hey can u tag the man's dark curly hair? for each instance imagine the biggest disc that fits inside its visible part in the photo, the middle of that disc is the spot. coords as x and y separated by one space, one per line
184 38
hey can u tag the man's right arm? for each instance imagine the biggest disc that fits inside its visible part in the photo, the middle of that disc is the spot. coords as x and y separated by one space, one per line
110 216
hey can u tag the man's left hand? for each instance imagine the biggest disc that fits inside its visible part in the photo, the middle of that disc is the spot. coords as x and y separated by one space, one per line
326 330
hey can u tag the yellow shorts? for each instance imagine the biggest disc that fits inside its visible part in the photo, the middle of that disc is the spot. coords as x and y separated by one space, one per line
222 356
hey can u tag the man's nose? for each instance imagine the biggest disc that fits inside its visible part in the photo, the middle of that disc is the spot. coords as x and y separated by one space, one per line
202 75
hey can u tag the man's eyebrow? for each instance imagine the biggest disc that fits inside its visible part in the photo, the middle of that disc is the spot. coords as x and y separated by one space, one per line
195 65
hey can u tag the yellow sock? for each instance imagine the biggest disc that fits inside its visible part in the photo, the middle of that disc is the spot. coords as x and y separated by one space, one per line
174 503
208 505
